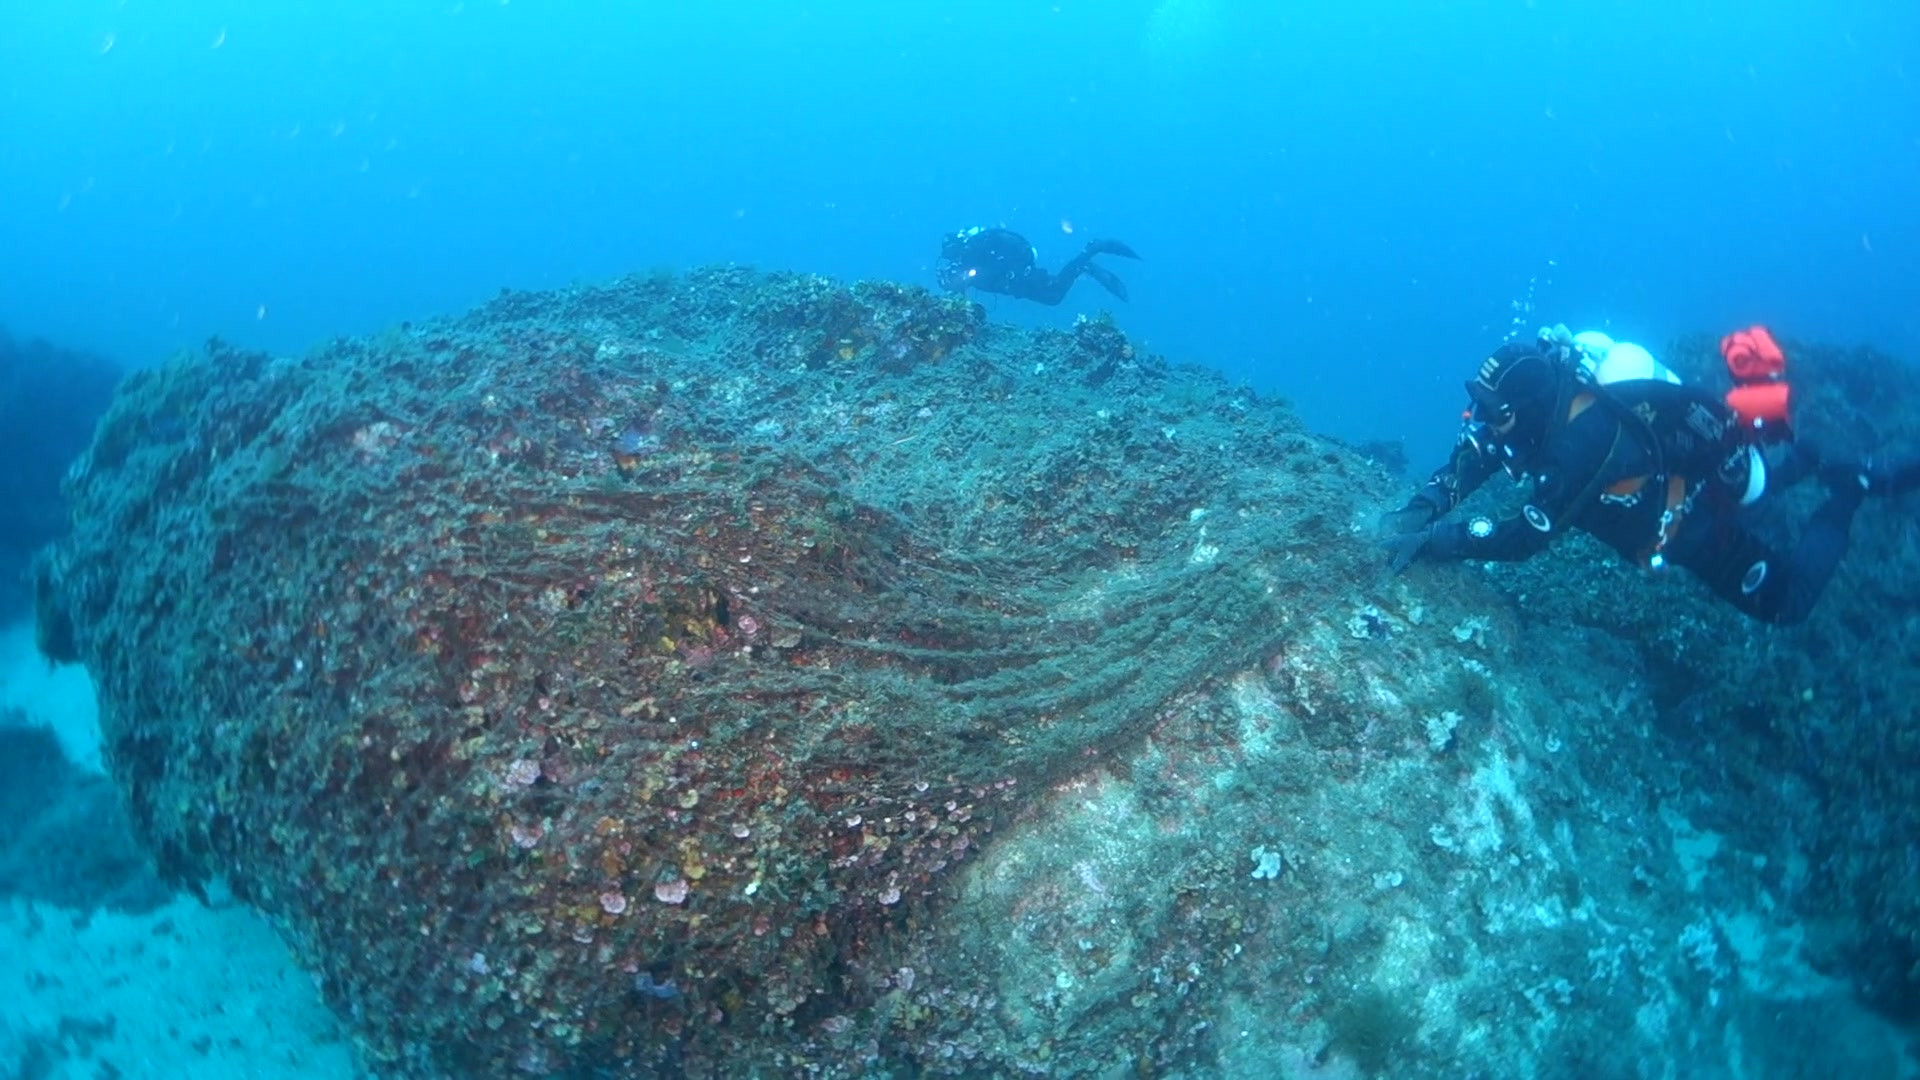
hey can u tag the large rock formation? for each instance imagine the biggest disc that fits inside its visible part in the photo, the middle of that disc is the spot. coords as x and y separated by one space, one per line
737 675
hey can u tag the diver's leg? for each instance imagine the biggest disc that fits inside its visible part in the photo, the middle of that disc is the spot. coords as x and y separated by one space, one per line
1049 289
1750 575
1052 288
1823 542
1799 461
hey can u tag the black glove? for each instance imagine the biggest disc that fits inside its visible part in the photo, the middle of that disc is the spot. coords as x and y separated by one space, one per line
1420 512
1406 547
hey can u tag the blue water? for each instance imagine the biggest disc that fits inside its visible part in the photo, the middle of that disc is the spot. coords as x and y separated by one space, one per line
1340 202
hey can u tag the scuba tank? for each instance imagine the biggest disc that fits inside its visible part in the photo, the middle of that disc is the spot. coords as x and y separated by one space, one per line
1761 396
1697 434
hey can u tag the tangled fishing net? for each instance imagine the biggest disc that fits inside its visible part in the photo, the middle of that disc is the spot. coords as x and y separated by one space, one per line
612 679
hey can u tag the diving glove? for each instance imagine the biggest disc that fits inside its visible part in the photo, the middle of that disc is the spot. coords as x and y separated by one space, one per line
1420 512
1402 550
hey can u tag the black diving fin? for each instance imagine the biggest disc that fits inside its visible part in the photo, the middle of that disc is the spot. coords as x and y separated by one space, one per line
1109 279
1111 247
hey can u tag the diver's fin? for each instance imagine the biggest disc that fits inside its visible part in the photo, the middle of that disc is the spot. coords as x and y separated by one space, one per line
1109 279
1110 247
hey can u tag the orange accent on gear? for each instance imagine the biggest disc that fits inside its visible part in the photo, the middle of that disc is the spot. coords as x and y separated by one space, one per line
1753 356
1762 409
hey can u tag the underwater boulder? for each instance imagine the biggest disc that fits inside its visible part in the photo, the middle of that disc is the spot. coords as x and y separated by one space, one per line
614 676
752 675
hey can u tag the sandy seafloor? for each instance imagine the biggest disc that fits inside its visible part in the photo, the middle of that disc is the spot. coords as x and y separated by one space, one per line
187 990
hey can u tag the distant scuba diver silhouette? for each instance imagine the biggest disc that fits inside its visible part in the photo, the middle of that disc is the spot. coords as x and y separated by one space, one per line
1002 261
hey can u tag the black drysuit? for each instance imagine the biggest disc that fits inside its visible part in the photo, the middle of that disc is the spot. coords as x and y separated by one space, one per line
1001 261
1604 471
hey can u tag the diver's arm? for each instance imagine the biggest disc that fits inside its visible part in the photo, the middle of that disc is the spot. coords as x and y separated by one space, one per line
1449 485
1461 476
1550 509
1512 540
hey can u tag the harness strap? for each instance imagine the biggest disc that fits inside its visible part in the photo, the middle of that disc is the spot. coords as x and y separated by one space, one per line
1679 501
1591 491
1679 493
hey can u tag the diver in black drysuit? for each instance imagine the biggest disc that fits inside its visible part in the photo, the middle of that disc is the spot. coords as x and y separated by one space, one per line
1655 470
1001 261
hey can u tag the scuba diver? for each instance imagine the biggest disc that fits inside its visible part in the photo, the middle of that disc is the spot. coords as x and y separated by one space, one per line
1001 261
1615 445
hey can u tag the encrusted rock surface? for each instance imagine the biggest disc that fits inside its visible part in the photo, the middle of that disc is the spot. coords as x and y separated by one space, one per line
734 675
